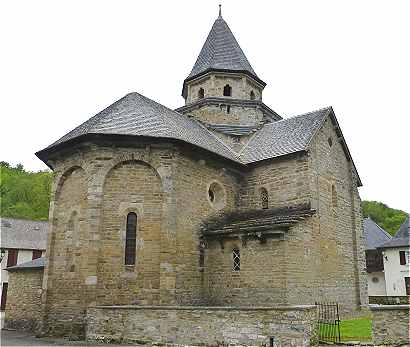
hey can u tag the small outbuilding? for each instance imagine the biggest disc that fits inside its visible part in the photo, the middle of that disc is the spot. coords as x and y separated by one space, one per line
375 236
396 259
23 309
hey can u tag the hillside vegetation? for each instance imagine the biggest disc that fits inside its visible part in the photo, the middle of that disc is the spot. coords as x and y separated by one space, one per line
26 195
388 218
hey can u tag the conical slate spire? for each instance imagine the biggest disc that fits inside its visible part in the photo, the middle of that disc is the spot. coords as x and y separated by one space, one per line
221 52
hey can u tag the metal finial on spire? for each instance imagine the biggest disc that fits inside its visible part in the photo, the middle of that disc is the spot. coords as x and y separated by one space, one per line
220 10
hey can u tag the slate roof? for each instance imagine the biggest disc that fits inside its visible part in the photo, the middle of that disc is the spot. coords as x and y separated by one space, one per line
256 221
23 234
284 137
402 237
231 129
32 264
221 51
136 115
139 116
375 235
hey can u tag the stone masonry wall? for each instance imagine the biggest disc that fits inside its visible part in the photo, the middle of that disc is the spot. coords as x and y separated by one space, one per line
338 245
237 115
68 245
205 326
23 309
285 179
193 178
131 186
389 300
267 269
213 85
260 281
94 189
391 324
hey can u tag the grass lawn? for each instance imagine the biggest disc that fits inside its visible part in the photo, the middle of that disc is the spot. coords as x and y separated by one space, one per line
358 329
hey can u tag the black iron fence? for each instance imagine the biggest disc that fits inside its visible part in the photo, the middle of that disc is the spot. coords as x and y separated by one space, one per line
328 322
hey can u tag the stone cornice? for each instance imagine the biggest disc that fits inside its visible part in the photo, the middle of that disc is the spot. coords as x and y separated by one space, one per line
229 101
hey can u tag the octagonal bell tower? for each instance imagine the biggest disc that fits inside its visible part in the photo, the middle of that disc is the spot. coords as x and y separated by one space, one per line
222 87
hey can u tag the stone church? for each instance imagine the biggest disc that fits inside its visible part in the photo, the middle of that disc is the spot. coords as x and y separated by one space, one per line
220 203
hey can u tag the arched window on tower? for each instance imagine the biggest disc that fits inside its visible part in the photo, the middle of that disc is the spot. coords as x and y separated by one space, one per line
227 90
130 239
201 93
252 95
264 198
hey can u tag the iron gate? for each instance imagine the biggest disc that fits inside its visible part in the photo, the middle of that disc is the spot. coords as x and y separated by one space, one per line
328 322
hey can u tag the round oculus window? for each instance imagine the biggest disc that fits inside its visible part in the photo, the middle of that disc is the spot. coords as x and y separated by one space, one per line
375 280
216 196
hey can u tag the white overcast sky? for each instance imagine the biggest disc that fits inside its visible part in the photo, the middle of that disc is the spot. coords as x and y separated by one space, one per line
63 61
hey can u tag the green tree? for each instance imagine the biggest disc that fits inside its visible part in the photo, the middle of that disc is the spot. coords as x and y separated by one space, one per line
24 194
388 218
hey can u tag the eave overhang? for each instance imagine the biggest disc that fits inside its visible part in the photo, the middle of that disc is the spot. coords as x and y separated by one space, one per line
257 224
46 155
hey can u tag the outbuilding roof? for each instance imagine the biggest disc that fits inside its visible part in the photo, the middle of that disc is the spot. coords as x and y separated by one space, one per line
23 234
375 235
32 264
402 237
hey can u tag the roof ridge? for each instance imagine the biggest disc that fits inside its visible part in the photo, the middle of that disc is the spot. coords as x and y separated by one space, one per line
230 149
193 122
381 229
320 126
251 139
405 225
327 108
90 122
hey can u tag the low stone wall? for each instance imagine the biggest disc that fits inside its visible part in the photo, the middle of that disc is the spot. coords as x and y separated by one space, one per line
389 300
23 308
391 324
209 326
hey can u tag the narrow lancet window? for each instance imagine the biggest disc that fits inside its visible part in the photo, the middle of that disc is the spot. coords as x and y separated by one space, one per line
334 196
252 95
201 93
236 258
264 198
131 239
227 90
